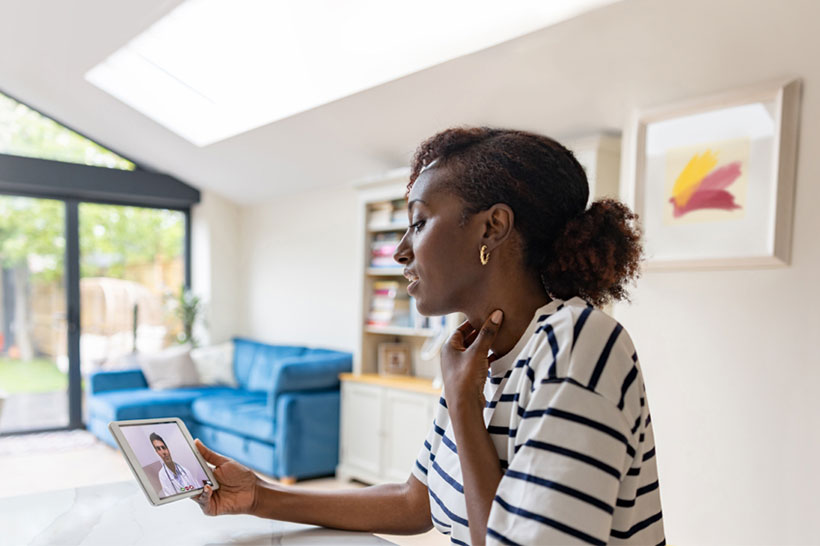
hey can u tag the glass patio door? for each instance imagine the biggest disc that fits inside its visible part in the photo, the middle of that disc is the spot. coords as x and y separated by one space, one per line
82 284
34 362
132 269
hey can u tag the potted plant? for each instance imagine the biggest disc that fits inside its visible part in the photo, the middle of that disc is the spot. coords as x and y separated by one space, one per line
189 306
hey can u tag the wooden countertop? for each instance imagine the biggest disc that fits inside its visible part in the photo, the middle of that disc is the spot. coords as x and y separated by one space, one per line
407 383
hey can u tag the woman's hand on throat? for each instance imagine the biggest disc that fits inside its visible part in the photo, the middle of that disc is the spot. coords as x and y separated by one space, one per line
464 361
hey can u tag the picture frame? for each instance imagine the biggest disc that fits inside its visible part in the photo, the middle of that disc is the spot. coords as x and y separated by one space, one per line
712 179
394 359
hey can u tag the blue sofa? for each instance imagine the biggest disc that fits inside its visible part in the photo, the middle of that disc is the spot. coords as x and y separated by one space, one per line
282 420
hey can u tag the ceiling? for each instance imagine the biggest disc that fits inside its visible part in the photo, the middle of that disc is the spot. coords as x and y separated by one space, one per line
580 76
55 43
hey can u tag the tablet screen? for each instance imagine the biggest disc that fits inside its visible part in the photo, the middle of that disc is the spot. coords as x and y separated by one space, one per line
166 458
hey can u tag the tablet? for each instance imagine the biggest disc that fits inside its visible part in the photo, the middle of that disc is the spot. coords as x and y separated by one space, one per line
163 458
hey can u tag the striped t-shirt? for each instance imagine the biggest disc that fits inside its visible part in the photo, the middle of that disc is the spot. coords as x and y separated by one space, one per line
567 412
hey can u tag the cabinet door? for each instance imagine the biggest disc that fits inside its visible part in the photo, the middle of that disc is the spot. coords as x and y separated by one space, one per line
408 417
361 427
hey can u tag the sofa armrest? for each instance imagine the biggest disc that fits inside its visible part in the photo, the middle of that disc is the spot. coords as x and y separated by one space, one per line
116 380
307 434
310 373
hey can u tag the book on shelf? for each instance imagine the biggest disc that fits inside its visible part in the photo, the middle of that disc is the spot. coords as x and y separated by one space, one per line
380 214
387 214
416 320
399 215
389 305
382 247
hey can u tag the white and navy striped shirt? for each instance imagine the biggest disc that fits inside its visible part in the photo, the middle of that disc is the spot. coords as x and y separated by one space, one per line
567 412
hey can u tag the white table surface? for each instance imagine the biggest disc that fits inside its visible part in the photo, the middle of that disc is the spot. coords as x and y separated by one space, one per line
119 514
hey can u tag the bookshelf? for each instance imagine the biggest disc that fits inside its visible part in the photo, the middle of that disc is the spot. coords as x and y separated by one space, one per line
385 418
388 314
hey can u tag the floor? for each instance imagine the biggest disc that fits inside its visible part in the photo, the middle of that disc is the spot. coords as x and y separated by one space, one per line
34 410
39 463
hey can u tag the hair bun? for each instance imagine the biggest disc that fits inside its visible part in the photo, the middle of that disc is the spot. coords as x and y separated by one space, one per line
597 255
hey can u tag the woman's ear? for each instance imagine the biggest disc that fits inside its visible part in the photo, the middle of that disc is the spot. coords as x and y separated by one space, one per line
498 224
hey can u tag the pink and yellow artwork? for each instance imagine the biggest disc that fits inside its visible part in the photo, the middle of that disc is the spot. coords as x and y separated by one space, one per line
702 186
707 183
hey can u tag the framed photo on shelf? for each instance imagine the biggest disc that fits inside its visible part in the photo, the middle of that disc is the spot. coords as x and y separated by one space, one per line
712 180
394 358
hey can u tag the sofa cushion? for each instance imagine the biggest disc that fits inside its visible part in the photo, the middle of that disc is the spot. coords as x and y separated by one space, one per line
260 456
170 368
143 403
246 414
214 364
314 370
102 381
255 363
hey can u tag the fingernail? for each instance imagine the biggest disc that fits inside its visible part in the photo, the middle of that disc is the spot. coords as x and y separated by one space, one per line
495 318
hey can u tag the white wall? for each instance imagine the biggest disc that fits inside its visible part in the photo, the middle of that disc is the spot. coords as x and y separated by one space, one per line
730 357
299 258
215 266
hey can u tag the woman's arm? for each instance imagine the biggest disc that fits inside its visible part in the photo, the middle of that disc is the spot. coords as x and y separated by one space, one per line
390 508
480 468
464 368
396 508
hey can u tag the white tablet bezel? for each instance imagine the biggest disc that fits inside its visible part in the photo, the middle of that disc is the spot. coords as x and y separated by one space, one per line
136 467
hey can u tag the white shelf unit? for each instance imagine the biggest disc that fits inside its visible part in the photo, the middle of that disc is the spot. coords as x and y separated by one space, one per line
400 331
395 226
384 419
384 272
372 192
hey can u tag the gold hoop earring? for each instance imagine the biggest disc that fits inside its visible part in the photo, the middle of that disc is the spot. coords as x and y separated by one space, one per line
483 255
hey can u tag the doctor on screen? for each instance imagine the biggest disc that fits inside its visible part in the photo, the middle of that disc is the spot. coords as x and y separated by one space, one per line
174 477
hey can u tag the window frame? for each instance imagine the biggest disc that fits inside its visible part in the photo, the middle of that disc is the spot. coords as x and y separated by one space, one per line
74 183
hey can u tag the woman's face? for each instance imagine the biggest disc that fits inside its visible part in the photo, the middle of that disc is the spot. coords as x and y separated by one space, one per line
439 255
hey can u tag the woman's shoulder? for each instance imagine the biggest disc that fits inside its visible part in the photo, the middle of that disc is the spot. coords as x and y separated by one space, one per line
584 345
578 323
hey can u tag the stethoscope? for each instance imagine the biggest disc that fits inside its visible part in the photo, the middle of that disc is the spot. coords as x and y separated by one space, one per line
177 472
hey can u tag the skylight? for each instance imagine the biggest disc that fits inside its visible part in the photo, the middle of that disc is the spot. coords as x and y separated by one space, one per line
212 69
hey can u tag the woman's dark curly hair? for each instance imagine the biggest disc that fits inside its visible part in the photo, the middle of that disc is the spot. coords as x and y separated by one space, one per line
592 253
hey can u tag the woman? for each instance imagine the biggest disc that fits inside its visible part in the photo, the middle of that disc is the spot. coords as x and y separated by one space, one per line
543 433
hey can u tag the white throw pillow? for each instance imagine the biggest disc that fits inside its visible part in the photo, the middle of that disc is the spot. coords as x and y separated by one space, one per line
215 364
122 362
169 368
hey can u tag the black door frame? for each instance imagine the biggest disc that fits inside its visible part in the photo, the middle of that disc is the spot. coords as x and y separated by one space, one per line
74 184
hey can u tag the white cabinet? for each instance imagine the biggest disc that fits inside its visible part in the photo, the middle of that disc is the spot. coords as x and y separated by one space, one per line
407 419
361 443
384 424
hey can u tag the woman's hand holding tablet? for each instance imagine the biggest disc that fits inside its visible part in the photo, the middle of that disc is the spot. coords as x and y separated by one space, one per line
162 456
238 492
